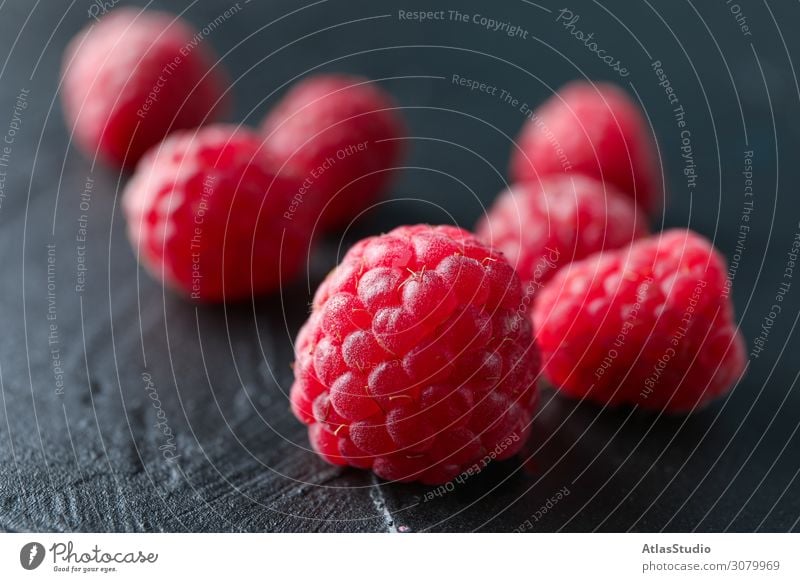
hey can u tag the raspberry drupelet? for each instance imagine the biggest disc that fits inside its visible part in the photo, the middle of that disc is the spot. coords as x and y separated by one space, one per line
416 361
651 325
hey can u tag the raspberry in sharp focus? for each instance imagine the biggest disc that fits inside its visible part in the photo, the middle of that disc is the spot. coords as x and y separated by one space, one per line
593 129
415 361
133 77
206 213
342 134
543 225
650 325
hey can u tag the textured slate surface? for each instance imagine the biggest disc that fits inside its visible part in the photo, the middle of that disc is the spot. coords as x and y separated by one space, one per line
91 456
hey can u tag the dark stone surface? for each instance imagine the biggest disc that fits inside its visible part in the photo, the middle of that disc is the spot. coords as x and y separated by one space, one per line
89 459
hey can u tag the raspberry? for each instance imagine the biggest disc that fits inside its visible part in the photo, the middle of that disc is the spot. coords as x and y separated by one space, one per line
207 214
414 361
135 76
542 226
596 130
343 135
650 325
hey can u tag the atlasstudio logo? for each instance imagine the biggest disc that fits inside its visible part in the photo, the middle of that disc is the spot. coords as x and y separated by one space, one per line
31 555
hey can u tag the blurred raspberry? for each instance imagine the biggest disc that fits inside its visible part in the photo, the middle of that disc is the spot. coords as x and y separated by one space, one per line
343 135
207 214
650 325
133 77
593 129
542 226
415 361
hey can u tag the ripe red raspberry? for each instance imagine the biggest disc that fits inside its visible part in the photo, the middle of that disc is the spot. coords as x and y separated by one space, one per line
207 213
414 361
593 129
133 77
542 226
650 325
343 135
